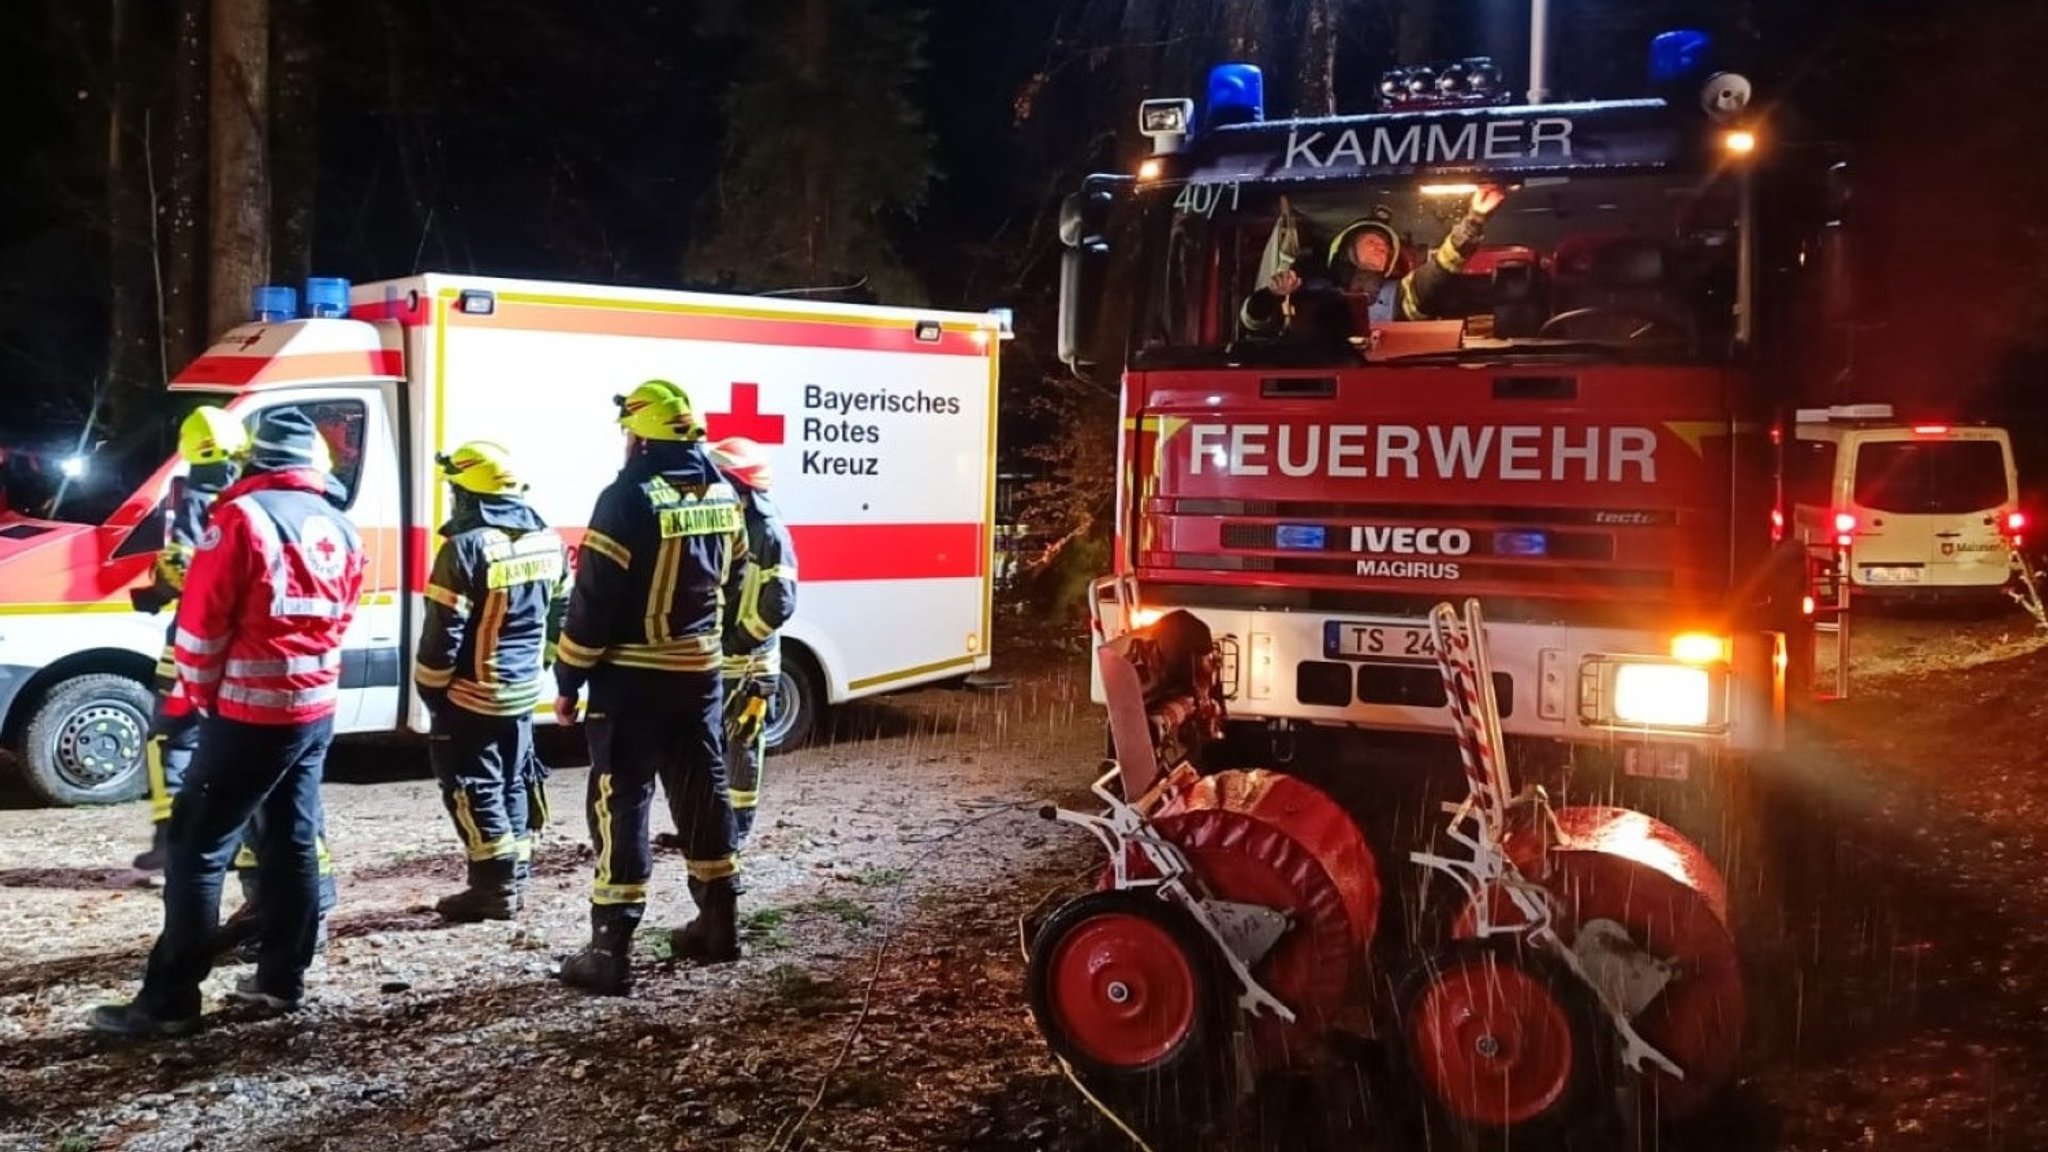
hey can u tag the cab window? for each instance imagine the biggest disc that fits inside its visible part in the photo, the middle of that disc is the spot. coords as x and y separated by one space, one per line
342 424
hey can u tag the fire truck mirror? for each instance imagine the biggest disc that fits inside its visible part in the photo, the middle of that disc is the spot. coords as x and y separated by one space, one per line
1080 330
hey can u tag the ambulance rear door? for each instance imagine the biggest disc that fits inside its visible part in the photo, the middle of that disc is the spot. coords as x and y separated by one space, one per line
1929 503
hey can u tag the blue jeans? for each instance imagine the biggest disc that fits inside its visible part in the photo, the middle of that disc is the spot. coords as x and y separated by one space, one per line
241 771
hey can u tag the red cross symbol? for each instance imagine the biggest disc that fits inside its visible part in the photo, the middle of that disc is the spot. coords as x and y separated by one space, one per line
746 418
325 546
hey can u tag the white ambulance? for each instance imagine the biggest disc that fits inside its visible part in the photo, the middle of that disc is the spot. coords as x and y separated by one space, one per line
1929 510
881 423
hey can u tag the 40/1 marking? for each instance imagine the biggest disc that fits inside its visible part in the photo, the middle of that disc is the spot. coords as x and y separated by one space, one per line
1204 199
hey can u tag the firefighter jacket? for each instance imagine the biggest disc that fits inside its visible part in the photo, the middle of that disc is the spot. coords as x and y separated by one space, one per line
490 605
270 593
663 554
767 592
1320 309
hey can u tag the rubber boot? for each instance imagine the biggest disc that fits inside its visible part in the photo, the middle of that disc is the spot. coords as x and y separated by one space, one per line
522 875
713 937
742 827
238 932
159 848
492 893
606 966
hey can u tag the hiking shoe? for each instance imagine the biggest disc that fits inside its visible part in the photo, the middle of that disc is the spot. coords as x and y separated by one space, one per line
131 1021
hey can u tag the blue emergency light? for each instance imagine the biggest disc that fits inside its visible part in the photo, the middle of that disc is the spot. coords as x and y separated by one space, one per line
272 303
1521 543
1306 537
326 297
1680 55
1237 95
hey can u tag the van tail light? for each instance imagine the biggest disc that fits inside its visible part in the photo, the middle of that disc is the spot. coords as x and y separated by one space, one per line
1845 525
1777 525
2014 521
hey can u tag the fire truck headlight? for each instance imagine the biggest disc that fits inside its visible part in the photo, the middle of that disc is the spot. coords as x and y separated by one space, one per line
1663 695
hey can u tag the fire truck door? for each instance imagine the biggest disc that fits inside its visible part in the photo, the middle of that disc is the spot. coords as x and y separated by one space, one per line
357 424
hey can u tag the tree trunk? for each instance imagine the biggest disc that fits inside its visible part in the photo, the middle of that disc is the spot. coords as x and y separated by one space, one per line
1243 20
181 223
294 152
131 290
239 211
1139 34
1318 79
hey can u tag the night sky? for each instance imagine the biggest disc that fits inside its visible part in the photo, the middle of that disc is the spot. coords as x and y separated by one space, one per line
578 141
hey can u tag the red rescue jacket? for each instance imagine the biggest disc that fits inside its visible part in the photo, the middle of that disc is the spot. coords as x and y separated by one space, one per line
271 590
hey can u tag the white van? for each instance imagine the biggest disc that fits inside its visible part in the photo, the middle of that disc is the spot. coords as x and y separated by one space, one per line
1928 510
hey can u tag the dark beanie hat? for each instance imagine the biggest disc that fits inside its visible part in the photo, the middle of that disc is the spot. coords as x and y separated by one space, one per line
283 440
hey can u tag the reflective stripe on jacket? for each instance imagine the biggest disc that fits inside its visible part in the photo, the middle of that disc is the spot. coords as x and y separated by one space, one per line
660 559
767 591
485 637
270 593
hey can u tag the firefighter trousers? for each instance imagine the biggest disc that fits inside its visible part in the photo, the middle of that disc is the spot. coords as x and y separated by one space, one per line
746 747
483 763
172 740
242 771
647 727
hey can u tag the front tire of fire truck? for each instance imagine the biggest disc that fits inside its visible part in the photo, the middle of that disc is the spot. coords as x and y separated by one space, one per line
1497 1046
798 703
1125 989
86 741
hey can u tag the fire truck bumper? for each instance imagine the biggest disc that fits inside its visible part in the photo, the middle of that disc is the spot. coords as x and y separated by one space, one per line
1602 686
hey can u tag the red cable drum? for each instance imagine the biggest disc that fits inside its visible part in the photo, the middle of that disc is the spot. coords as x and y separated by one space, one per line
1266 838
1620 865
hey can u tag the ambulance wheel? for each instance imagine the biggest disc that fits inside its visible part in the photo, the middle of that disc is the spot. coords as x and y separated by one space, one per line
794 709
86 742
1124 988
1500 1046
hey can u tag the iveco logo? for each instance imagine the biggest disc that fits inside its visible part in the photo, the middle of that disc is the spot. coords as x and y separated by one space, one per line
1411 541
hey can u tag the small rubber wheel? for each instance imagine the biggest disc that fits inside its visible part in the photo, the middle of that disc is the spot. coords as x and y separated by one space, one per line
1124 989
1502 1046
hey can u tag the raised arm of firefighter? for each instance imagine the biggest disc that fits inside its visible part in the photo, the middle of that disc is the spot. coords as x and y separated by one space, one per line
598 596
1422 290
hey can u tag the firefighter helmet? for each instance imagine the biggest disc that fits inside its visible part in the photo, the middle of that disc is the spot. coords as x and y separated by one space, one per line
482 467
744 460
658 410
1381 221
211 435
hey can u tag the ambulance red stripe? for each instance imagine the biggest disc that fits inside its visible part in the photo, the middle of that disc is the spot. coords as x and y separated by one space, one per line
842 552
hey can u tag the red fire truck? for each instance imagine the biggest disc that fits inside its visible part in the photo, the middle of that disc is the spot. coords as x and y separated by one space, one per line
1575 420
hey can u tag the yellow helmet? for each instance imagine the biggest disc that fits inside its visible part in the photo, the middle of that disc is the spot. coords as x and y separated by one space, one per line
658 410
482 467
211 435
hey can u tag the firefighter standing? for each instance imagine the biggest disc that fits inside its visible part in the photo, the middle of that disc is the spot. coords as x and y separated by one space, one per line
211 441
661 554
752 625
481 671
271 591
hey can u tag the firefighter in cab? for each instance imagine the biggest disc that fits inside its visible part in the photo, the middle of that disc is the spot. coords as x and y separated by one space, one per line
663 552
481 671
752 625
212 443
271 590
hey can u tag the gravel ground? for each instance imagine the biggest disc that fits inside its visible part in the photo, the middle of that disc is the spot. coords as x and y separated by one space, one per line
1892 930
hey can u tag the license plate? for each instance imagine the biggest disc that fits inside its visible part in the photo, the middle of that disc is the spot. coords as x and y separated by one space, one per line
1380 640
1875 574
1657 763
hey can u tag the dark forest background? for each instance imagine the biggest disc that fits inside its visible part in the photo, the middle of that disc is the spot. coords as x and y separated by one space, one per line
165 155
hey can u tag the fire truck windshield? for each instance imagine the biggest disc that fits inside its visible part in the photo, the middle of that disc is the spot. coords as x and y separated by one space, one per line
1635 266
